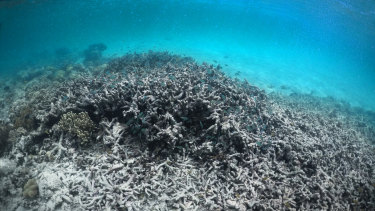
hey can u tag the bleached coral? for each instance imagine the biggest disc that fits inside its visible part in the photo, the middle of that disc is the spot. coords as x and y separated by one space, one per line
172 134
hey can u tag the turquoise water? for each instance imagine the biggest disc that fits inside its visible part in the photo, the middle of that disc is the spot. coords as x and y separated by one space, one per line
323 47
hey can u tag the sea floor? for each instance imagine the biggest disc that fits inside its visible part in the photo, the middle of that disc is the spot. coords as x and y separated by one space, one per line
156 131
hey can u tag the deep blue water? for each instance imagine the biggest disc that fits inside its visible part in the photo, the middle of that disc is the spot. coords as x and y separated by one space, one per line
323 47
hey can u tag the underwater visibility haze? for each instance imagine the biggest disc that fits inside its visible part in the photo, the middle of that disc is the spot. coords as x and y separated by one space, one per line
187 105
322 47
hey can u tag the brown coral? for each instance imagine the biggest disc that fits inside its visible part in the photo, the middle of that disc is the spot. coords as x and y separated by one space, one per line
30 190
79 125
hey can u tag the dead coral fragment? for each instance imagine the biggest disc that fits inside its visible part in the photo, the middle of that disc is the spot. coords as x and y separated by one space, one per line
30 190
79 125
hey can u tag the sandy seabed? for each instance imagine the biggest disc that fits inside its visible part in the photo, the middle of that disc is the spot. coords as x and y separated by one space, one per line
156 131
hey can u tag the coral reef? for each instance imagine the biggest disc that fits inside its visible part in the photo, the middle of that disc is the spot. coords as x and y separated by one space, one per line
164 132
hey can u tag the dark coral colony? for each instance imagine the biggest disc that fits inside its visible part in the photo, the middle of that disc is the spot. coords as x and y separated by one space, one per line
157 131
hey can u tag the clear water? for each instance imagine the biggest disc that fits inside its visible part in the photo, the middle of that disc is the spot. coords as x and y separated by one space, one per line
323 47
